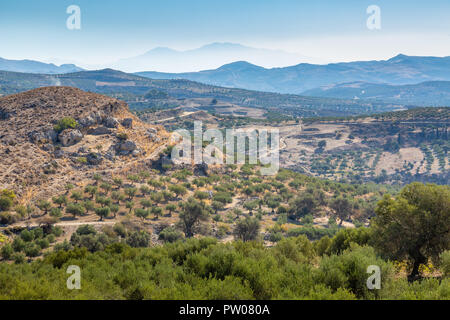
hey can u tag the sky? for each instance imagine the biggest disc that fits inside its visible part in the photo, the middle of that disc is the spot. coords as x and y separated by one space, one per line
326 30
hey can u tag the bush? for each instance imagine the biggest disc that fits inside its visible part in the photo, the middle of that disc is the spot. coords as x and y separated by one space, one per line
27 236
349 271
18 244
65 123
312 233
445 263
86 230
18 258
170 234
7 218
5 203
43 243
32 250
57 231
7 251
138 239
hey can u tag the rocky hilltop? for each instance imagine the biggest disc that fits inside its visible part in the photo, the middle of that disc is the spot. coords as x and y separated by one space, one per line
57 135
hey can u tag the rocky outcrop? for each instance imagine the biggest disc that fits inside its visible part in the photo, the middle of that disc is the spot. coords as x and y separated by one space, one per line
94 159
70 137
99 131
125 147
38 137
111 122
4 115
127 123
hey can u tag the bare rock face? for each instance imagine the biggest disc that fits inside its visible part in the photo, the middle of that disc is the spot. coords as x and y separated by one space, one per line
69 137
111 122
38 137
94 158
4 115
127 123
125 147
99 131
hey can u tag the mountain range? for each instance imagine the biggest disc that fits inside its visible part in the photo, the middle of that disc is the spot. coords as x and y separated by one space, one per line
399 70
31 66
404 80
209 56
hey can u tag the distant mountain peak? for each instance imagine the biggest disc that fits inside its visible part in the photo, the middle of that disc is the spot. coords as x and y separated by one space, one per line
239 65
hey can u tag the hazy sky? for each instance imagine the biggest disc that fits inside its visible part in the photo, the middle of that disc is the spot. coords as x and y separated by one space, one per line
328 29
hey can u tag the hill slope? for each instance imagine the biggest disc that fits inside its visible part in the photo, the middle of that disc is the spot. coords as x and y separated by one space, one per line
132 88
38 156
432 93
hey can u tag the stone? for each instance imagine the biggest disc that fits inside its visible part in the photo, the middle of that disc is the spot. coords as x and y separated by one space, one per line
99 131
127 123
87 121
4 115
38 137
94 158
136 153
125 147
111 122
48 147
70 137
59 153
152 131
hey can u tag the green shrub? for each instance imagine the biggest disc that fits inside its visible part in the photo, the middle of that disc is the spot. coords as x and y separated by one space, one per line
445 263
27 235
138 239
5 203
6 251
18 257
65 123
32 250
170 234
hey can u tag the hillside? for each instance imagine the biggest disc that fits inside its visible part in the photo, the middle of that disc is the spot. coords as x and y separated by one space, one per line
432 93
31 66
55 135
133 89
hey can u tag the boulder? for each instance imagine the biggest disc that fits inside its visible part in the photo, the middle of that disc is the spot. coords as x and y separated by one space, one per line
94 158
87 121
125 147
99 131
4 115
111 122
59 153
127 123
48 147
69 137
39 137
152 131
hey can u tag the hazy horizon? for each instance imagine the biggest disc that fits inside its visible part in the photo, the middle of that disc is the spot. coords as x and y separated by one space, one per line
320 32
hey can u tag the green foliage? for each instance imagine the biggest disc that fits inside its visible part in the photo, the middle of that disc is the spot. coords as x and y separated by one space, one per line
138 239
170 234
349 270
445 263
65 123
415 225
247 229
192 214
